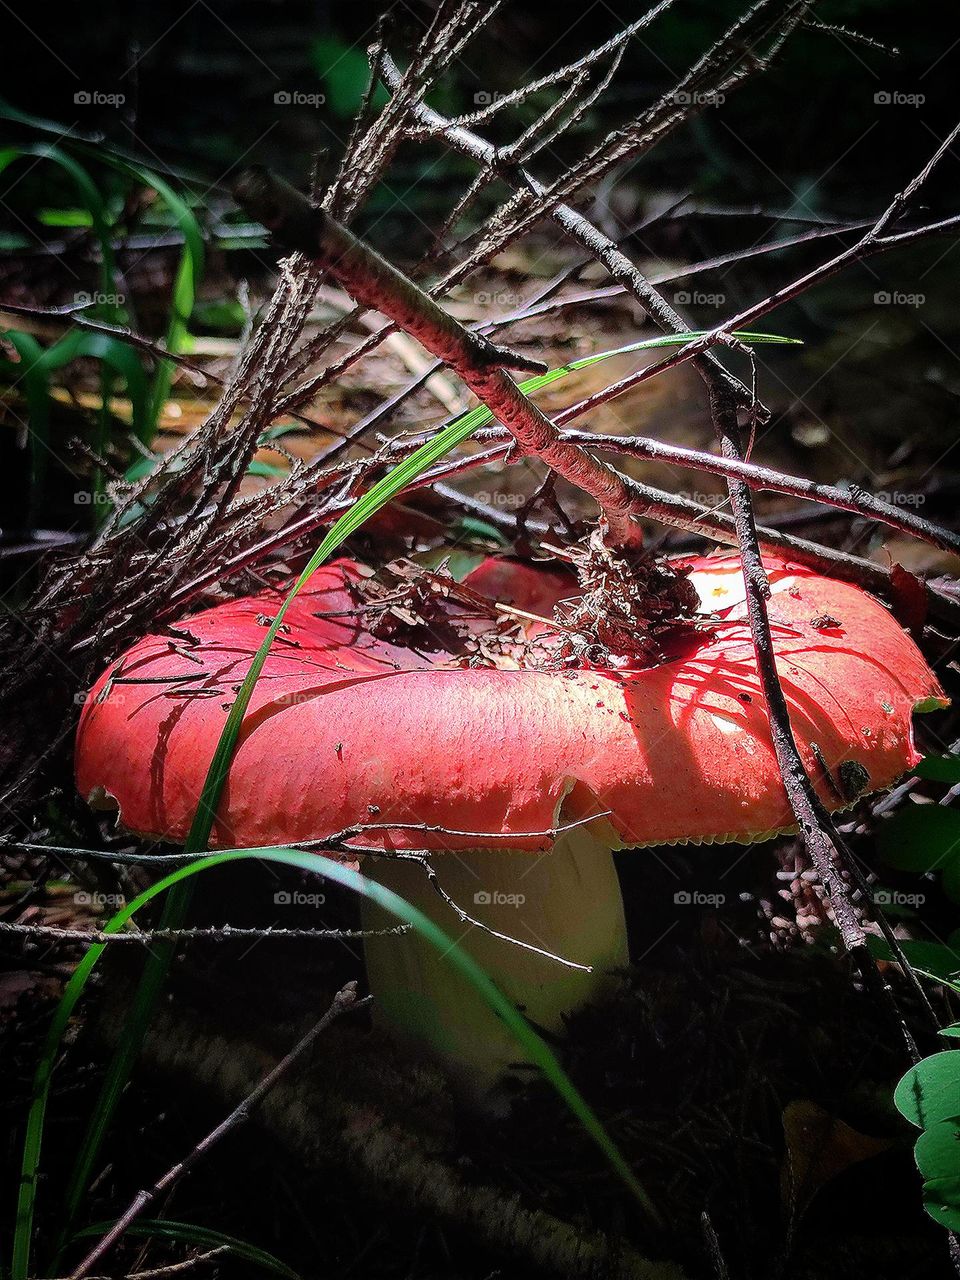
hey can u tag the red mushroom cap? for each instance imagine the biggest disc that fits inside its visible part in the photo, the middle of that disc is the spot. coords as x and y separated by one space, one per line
346 728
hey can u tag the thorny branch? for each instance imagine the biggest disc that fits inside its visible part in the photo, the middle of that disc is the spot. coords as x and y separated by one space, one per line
210 933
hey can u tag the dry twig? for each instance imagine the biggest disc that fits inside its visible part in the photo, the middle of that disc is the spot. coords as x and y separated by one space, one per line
344 1001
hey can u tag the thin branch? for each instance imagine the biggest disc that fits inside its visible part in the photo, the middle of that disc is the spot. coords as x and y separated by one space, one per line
598 246
826 850
212 933
562 74
854 499
174 1268
464 918
376 283
344 1001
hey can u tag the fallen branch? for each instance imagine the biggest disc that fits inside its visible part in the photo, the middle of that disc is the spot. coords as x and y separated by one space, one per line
855 500
376 283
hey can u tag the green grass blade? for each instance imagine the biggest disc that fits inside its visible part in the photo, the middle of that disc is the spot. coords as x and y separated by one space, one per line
120 1068
198 837
124 361
36 385
185 285
537 1049
90 196
205 1237
189 273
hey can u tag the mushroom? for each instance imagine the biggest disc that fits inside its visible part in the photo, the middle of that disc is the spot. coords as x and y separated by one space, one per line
521 775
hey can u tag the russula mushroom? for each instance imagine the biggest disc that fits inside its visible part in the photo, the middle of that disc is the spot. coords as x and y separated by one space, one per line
347 726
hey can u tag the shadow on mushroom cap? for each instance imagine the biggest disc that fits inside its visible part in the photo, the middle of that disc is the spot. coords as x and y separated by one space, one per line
345 727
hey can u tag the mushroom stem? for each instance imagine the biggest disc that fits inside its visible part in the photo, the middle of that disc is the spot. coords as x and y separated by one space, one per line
566 902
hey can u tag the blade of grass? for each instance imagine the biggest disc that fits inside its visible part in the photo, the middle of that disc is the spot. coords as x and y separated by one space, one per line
206 1237
377 496
36 383
88 193
185 284
38 364
535 1048
100 224
189 273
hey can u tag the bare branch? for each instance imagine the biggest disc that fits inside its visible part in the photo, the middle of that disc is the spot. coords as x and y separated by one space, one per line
211 933
376 283
345 1000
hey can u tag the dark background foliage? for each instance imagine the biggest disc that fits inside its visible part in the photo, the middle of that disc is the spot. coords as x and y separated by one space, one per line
199 82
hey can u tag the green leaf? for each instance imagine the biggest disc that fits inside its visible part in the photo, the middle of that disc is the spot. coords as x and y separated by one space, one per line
205 1237
929 1096
65 217
941 1199
121 357
920 838
280 430
345 73
945 768
225 315
938 960
930 1091
938 1157
267 470
475 527
952 1031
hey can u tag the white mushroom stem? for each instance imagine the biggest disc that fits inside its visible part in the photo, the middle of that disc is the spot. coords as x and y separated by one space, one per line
566 902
